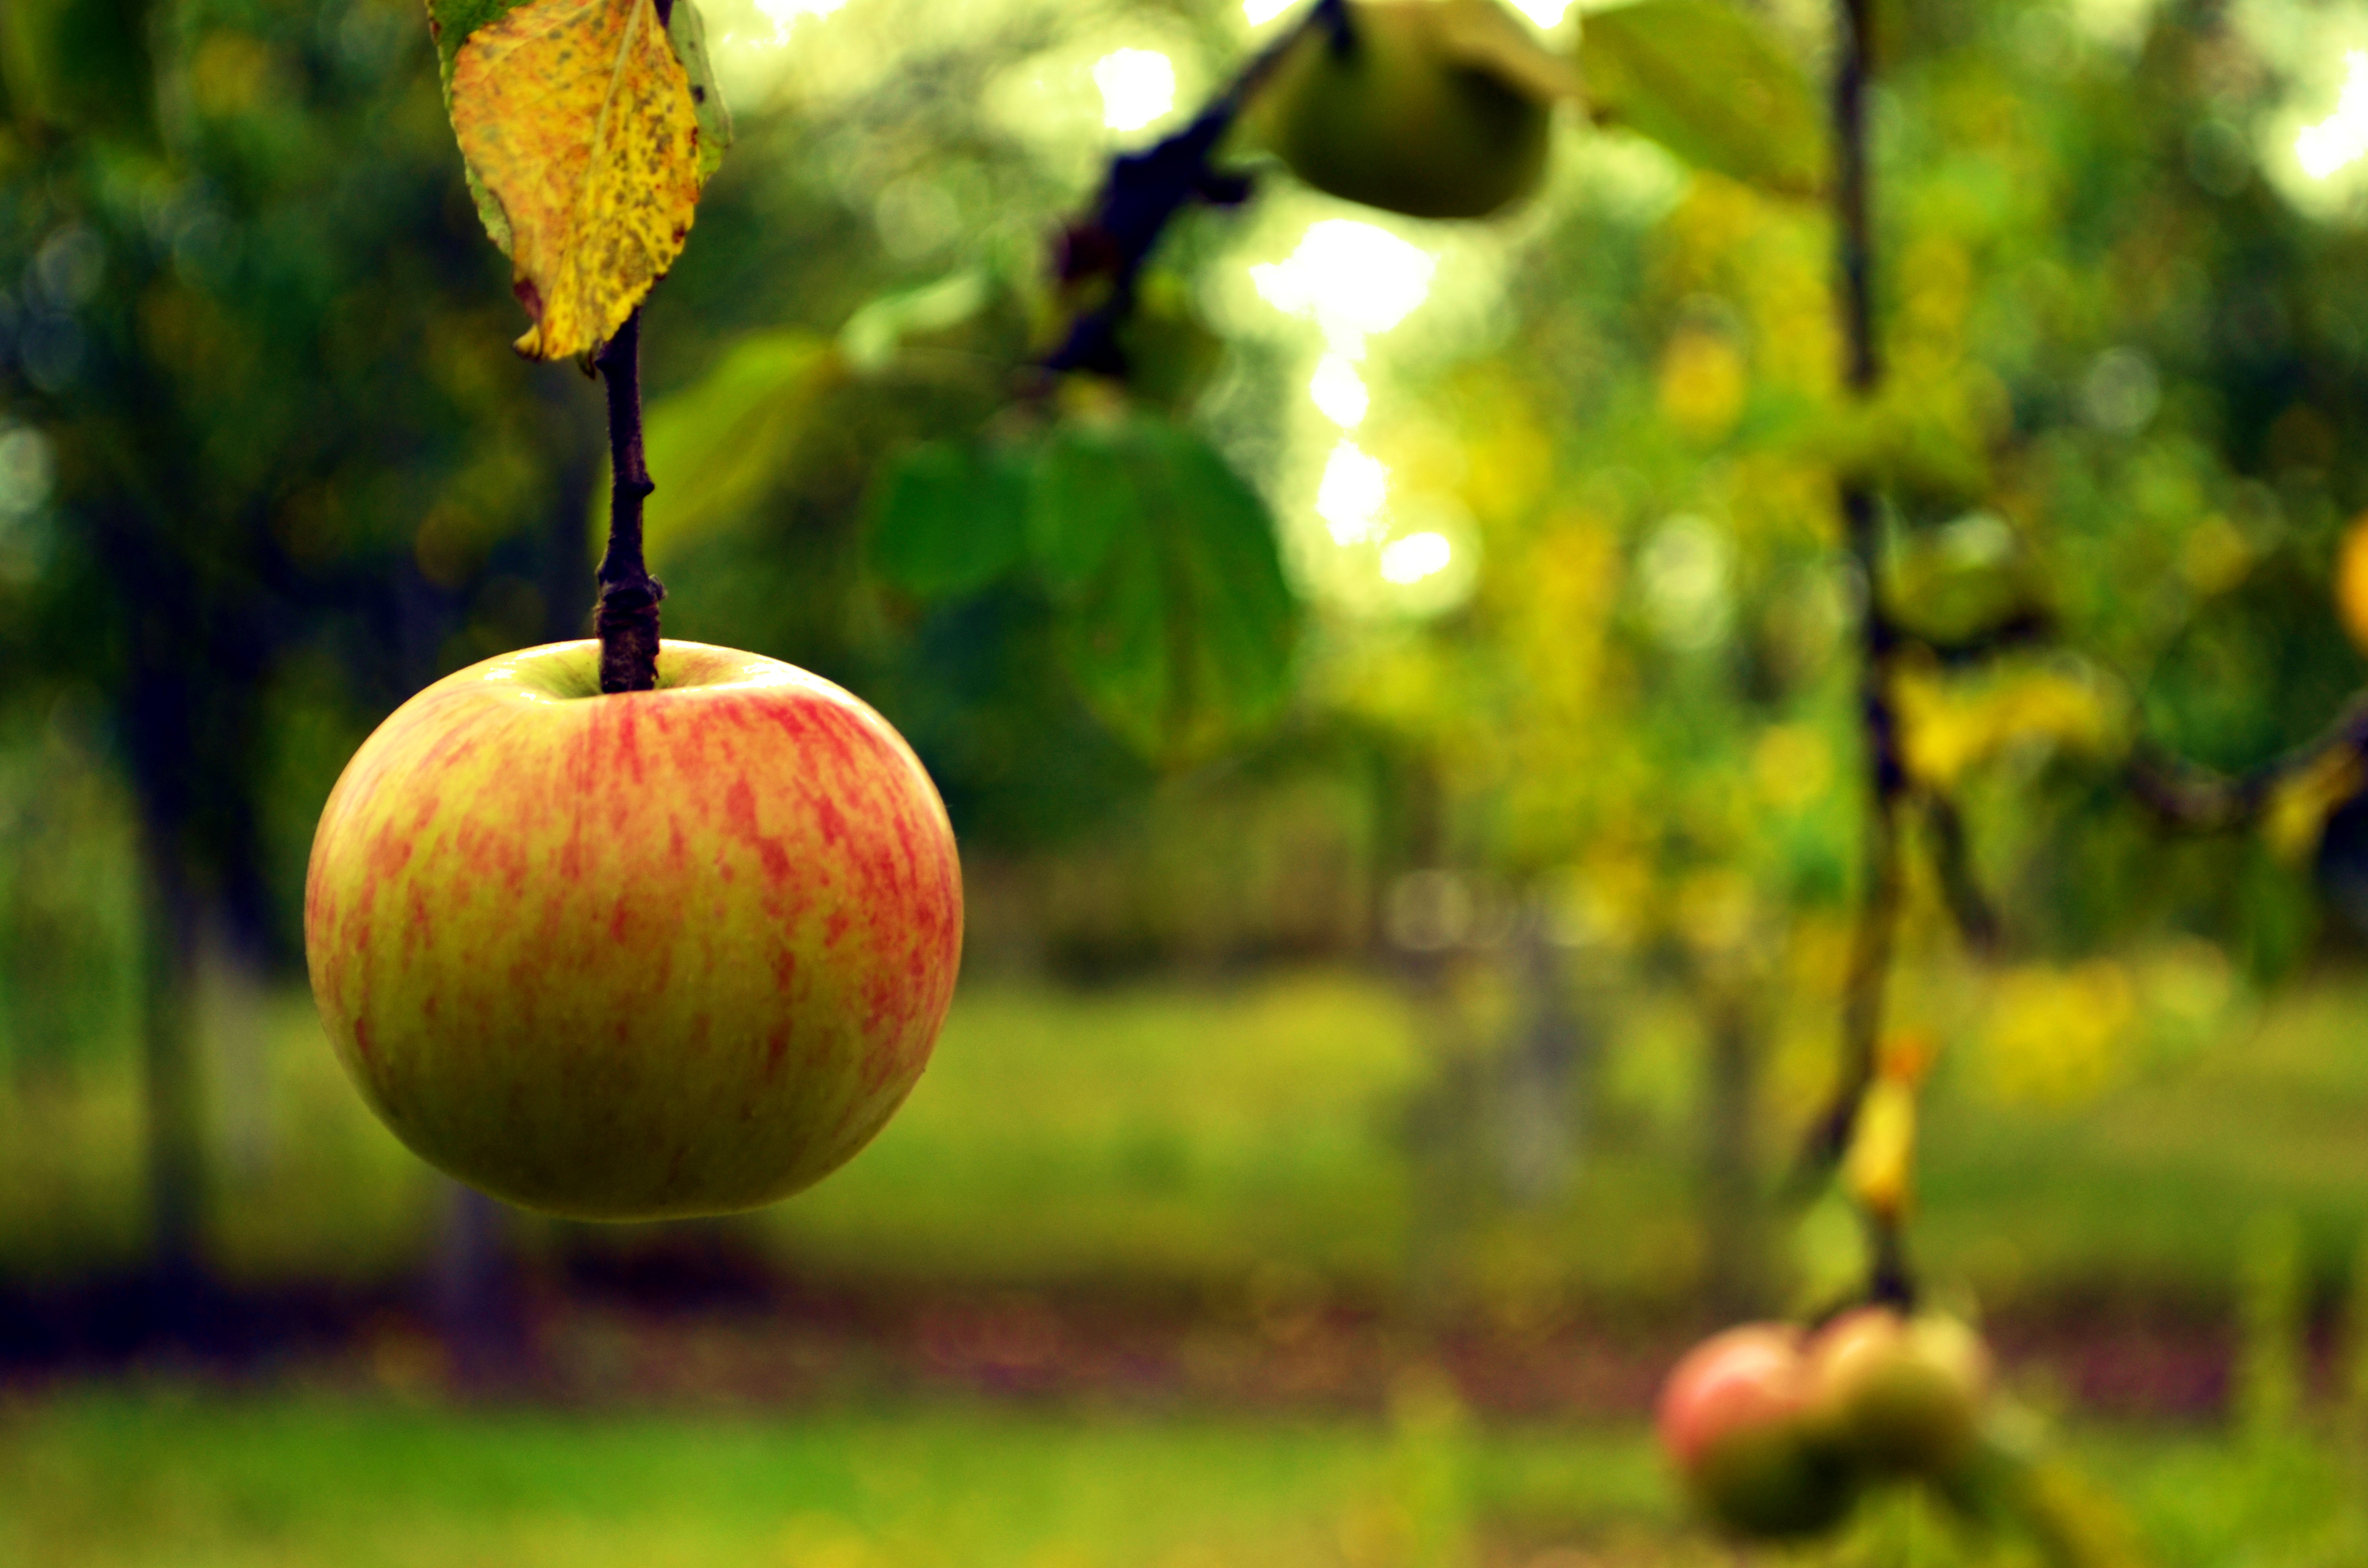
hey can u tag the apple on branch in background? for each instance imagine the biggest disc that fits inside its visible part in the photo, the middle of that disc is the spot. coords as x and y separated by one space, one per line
638 955
1739 1419
1435 109
1904 1394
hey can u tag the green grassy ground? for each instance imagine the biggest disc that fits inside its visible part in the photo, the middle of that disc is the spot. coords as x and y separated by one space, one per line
1180 1135
131 1478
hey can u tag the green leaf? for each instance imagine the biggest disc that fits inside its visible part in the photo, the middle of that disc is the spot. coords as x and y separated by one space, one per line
1177 622
80 65
949 517
1709 82
717 447
686 31
1083 502
878 327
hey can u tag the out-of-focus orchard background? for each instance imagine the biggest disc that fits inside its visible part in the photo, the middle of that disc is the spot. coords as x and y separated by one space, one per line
1342 1123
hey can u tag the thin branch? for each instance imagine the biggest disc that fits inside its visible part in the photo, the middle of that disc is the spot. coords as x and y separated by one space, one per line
1879 640
2190 796
1144 194
1977 919
1886 778
2028 627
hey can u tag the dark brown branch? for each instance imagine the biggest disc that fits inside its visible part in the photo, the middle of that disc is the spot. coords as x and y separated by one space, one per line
2023 628
1953 859
2190 796
1887 776
627 619
1864 365
1106 250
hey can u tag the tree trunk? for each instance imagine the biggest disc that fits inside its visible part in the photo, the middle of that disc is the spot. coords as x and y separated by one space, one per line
1733 1277
476 1290
177 1166
1541 1071
476 1295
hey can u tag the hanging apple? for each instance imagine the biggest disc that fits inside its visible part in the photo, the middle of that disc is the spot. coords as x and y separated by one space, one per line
636 954
1435 109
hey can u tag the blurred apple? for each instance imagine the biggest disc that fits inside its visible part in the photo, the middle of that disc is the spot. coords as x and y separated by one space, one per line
1737 1419
659 953
1435 109
1903 1395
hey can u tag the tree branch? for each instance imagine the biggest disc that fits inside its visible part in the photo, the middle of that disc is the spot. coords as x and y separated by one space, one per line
1977 920
1143 194
1887 776
2190 796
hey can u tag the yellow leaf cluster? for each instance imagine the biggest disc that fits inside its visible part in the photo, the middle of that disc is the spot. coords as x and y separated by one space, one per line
1948 728
1702 384
2059 1036
579 119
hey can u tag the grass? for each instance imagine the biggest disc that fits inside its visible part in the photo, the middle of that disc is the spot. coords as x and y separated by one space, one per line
1175 1135
130 1476
119 1479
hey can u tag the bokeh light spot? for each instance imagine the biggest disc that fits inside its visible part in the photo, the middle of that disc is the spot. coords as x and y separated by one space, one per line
1340 392
784 14
1138 85
2342 136
1415 557
1354 279
1355 487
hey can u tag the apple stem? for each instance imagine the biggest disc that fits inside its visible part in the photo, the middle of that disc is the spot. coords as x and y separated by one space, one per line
627 619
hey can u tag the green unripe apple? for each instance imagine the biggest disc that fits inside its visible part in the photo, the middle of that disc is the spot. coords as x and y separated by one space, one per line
1435 109
1738 1420
1903 1396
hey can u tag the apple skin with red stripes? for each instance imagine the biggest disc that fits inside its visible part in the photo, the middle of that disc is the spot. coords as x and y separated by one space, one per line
1736 1417
634 956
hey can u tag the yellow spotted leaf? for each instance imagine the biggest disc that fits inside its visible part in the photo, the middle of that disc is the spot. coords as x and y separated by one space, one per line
580 120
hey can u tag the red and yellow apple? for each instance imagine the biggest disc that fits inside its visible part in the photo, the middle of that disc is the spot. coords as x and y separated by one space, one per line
659 953
1904 1394
1738 1419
